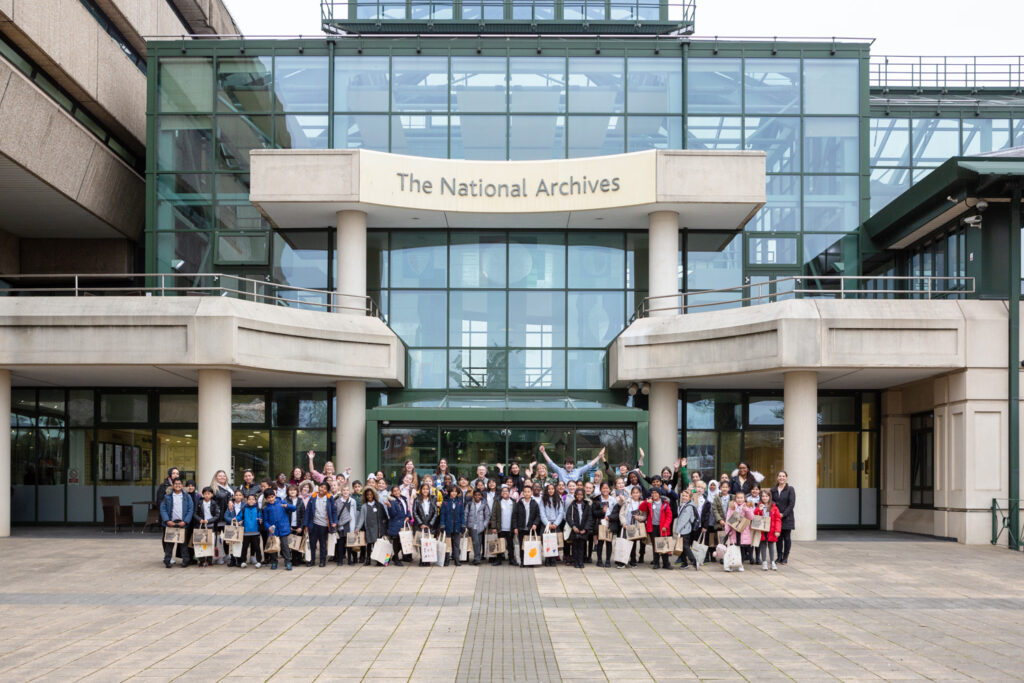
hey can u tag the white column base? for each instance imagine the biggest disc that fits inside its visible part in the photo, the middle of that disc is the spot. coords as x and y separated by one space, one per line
800 393
214 425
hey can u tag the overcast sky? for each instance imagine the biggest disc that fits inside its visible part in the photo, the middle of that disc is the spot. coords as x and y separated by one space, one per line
900 27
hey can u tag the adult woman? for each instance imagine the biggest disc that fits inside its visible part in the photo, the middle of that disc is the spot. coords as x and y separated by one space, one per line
784 497
541 477
409 470
515 473
319 476
166 484
298 476
373 519
442 471
398 515
222 491
552 514
743 482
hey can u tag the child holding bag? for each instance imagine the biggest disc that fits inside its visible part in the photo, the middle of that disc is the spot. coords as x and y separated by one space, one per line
766 549
743 538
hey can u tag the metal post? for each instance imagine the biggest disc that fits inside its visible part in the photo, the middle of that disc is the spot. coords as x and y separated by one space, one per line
76 285
1013 408
995 527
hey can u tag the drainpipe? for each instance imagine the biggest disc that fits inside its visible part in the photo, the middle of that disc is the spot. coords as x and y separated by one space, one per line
1013 409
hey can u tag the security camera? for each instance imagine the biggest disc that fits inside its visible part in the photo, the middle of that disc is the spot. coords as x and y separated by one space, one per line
981 205
972 221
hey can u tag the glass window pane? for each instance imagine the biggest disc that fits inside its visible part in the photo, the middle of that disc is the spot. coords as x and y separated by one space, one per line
244 85
831 145
237 136
427 369
762 451
377 259
420 135
81 408
654 132
654 85
301 83
782 211
478 368
124 408
418 259
536 369
301 132
780 138
585 369
886 185
179 408
300 260
837 410
184 143
483 9
300 408
536 260
248 409
185 84
889 142
713 132
361 132
401 443
419 84
985 135
714 410
934 141
477 259
831 86
770 250
713 85
543 10
419 318
241 248
822 251
479 84
479 137
772 86
591 136
594 318
713 261
536 319
831 203
765 410
596 260
537 84
183 252
477 319
536 137
596 84
361 84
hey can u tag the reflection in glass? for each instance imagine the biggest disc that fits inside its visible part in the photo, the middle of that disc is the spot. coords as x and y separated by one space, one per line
426 369
466 448
714 410
596 84
300 408
185 85
536 319
361 84
523 441
772 86
419 318
419 83
301 83
418 259
361 131
591 136
779 138
477 259
478 137
595 318
713 132
477 368
477 319
831 203
536 368
596 260
886 185
713 85
479 84
536 260
420 135
654 132
617 442
537 84
239 135
585 369
713 261
831 145
889 142
184 143
399 443
655 86
536 137
934 141
301 132
985 135
763 452
782 211
831 86
771 250
244 85
765 410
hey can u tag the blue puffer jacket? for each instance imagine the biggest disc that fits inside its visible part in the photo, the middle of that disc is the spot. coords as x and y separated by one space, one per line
278 516
452 516
251 519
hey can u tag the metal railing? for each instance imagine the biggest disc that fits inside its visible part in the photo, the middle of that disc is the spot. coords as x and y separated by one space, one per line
899 71
186 284
1001 522
807 286
505 10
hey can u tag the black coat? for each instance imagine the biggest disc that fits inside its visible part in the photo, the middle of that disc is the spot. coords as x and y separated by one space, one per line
222 496
786 501
430 520
735 487
581 518
707 517
523 519
215 514
300 512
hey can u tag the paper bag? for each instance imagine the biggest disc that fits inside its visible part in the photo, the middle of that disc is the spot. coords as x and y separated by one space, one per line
761 523
533 551
700 548
604 533
406 540
663 545
174 534
203 542
737 521
355 539
550 543
634 532
488 538
382 551
496 546
273 544
447 545
233 533
416 555
428 549
677 548
297 542
560 538
621 548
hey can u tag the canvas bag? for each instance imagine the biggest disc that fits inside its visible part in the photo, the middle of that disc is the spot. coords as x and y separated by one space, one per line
489 537
621 548
550 543
174 534
663 545
761 523
233 533
332 543
496 546
677 547
202 542
297 542
604 533
405 539
560 538
533 552
634 532
273 544
700 548
464 546
444 546
733 558
428 548
355 539
737 521
382 551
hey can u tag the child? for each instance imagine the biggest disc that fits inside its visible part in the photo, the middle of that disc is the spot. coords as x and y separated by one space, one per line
190 491
766 549
578 520
348 516
278 522
453 522
207 511
398 515
745 537
659 524
719 507
252 523
231 512
687 522
176 510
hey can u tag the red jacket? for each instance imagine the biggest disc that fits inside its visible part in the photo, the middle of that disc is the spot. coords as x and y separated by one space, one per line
776 527
665 522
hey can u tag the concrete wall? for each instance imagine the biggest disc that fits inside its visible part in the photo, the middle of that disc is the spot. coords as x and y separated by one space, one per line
45 140
76 256
10 257
196 332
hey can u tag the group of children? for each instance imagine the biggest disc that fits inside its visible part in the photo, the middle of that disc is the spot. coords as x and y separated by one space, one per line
585 508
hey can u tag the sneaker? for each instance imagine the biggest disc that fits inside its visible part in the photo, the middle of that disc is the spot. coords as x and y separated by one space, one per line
741 567
774 567
273 565
728 569
288 566
257 565
764 565
243 565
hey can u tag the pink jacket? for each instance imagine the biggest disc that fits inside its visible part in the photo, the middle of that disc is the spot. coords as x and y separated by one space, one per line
746 537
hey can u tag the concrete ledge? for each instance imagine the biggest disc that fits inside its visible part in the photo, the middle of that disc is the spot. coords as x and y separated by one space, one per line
197 332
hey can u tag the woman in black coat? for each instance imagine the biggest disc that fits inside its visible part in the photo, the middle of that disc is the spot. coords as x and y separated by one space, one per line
743 481
784 498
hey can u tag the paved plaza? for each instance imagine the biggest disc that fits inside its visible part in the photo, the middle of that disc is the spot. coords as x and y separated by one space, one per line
85 605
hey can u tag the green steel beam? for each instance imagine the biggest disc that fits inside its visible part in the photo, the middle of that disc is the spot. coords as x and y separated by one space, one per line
1013 407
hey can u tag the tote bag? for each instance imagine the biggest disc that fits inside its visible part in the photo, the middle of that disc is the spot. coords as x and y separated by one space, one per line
700 548
550 542
621 548
533 551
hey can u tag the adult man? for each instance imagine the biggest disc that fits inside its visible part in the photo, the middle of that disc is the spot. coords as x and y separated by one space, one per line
481 477
570 473
321 519
525 518
176 510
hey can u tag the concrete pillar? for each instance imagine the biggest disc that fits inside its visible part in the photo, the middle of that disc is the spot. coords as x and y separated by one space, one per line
662 406
5 453
663 260
800 445
214 425
350 438
351 257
